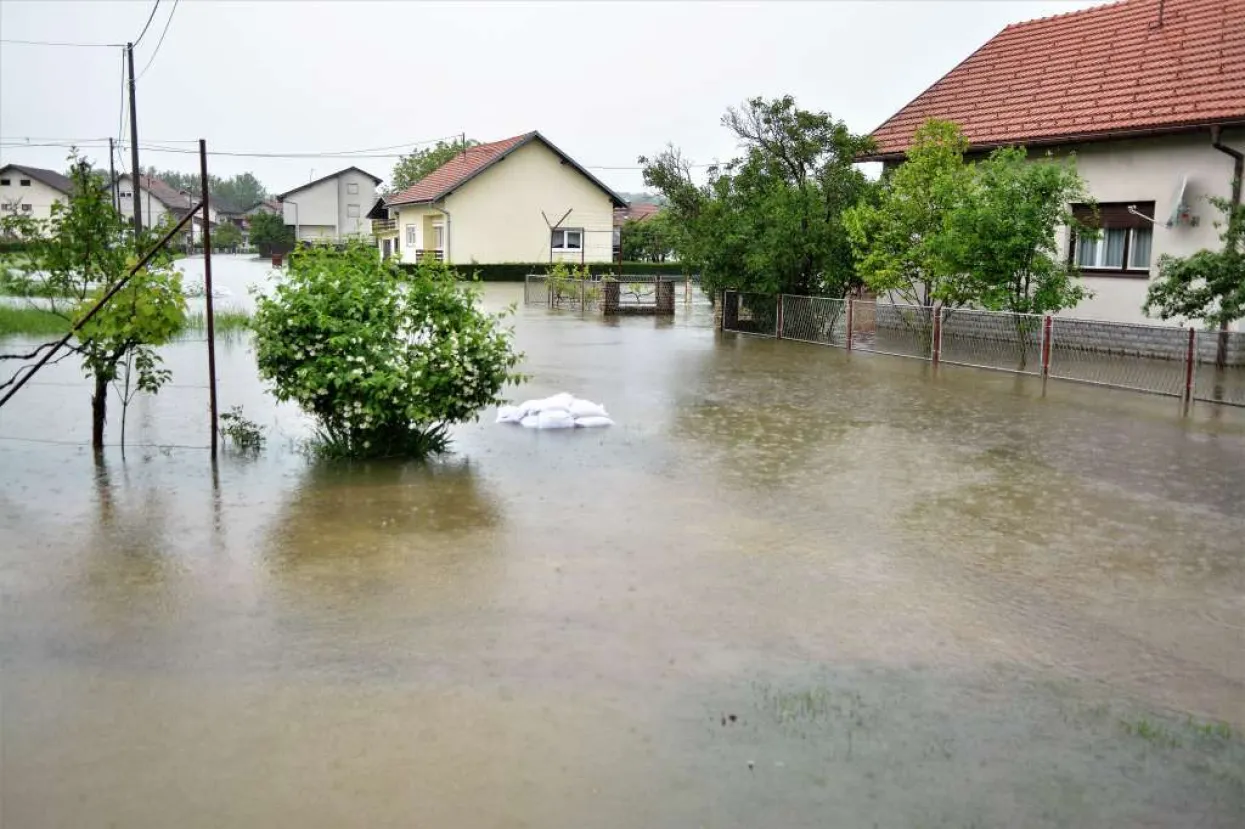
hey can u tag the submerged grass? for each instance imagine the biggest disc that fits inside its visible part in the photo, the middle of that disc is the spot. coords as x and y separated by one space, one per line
17 321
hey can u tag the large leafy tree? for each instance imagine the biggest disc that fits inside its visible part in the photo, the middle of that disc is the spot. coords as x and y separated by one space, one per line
81 253
384 361
648 240
899 239
769 221
419 163
269 233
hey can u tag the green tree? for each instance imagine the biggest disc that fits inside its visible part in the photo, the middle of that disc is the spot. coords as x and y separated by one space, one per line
226 236
1002 238
236 193
650 240
899 239
81 253
419 163
1208 285
269 233
770 221
384 361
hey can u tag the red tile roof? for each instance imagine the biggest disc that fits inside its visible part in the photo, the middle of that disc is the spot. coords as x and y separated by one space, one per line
638 212
1099 73
467 165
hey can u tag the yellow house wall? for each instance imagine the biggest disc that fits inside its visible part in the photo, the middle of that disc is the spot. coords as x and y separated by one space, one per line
496 217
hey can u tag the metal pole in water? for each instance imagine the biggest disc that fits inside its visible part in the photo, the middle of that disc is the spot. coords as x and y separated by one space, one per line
207 290
1190 357
851 304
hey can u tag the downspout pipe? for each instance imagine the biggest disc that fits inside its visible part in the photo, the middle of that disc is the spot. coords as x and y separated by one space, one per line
1238 173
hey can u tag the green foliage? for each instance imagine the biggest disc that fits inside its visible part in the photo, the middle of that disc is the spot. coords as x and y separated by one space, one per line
571 285
898 239
1209 285
650 240
770 221
226 236
517 271
419 163
383 361
945 232
83 251
270 233
236 193
243 434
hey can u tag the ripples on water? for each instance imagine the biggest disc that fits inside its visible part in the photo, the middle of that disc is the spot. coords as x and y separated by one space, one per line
791 588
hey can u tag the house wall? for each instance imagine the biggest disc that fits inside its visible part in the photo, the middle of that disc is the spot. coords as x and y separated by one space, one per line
153 209
1145 170
413 220
497 216
362 199
313 207
38 195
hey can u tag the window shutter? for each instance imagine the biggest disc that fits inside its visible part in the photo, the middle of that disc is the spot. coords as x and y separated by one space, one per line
1114 214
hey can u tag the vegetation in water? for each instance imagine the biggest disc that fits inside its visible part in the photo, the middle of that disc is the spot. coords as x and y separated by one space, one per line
384 360
82 252
242 433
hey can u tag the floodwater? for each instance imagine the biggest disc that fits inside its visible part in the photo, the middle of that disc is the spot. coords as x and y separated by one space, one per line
793 587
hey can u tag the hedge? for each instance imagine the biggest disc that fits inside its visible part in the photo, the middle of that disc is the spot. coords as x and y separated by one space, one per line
516 271
13 246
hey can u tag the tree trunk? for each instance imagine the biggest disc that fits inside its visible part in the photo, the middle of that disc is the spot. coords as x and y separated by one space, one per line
99 412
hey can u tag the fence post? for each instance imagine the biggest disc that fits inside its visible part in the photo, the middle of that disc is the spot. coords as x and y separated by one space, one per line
850 305
936 347
583 295
1047 330
778 321
1190 358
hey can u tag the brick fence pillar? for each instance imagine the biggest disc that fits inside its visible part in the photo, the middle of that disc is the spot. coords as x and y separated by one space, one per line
719 301
611 299
665 298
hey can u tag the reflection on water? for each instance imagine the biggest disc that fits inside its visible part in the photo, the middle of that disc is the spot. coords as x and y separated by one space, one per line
792 587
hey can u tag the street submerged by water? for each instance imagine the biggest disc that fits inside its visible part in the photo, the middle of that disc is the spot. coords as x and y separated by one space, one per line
791 587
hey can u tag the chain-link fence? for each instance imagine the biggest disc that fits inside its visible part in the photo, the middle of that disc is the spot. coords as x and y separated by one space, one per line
990 339
814 319
1148 358
562 294
1157 359
1220 372
750 313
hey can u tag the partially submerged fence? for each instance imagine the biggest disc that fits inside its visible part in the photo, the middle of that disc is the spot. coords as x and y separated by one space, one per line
1179 362
627 295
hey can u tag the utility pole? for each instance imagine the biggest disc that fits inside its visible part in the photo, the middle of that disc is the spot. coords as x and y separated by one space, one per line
134 170
112 176
207 290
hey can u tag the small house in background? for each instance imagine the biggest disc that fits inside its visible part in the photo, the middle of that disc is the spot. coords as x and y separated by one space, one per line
31 191
1149 95
331 208
160 202
520 199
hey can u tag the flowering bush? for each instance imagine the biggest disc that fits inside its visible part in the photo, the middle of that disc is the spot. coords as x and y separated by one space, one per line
384 360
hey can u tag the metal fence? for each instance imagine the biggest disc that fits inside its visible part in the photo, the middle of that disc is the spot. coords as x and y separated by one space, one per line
634 291
1178 362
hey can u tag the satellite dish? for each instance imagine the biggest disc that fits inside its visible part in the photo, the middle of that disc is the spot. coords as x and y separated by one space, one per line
1180 210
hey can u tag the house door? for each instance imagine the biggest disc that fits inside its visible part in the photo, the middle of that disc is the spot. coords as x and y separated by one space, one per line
385 248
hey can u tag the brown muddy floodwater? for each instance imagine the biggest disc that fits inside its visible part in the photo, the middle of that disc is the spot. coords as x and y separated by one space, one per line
792 587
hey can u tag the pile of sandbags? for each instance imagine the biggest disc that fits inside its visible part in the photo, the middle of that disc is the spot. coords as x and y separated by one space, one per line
561 411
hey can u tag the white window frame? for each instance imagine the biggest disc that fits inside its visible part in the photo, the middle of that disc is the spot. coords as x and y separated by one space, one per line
438 236
26 208
352 211
565 234
1100 252
412 242
352 188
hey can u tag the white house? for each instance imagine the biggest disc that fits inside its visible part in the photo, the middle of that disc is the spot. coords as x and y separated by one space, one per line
158 201
520 199
31 191
1149 95
333 207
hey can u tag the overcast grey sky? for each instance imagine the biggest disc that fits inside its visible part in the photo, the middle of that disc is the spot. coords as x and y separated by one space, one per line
604 81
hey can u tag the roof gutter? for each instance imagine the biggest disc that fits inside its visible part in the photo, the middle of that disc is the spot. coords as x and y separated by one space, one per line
1238 157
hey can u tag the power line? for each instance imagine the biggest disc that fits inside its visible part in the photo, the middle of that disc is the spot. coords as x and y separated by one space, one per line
61 43
160 42
150 17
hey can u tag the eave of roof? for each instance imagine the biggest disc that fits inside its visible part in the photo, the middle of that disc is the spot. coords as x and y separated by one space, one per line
375 180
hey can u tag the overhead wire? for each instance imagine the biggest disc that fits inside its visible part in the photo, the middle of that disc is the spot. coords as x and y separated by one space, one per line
61 43
146 25
159 43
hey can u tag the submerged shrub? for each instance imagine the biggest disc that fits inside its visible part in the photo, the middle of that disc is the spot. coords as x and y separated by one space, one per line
384 360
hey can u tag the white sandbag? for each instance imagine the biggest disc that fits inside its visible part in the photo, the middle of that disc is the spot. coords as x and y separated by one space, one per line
555 419
509 414
530 406
530 422
561 400
586 408
593 421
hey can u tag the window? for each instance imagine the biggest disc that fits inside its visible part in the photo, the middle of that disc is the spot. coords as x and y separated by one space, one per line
25 182
567 239
411 241
352 211
26 208
438 236
352 187
1124 242
4 182
5 206
125 195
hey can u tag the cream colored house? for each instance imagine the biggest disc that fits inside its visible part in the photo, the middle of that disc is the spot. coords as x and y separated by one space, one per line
1150 97
159 202
516 200
331 208
31 191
